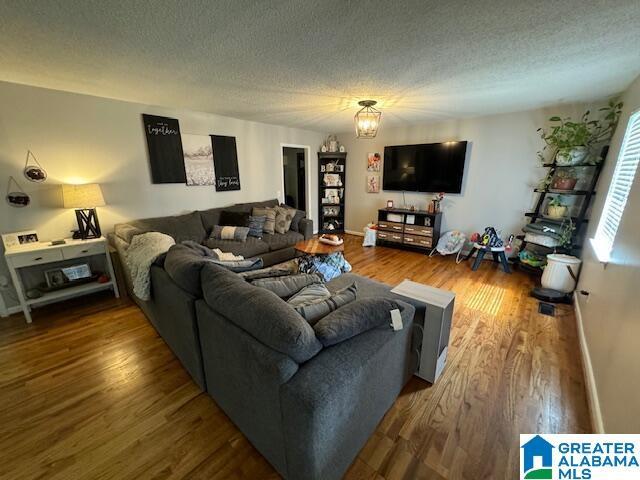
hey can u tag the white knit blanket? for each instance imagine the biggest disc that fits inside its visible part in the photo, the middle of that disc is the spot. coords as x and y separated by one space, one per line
142 252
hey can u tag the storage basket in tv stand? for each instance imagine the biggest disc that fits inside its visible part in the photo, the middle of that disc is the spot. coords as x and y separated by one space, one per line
411 229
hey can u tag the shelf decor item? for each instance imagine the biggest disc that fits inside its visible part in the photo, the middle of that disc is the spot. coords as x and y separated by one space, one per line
17 198
367 120
34 172
564 179
556 208
84 198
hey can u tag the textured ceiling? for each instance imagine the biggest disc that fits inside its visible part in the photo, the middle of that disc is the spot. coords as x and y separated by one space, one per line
307 63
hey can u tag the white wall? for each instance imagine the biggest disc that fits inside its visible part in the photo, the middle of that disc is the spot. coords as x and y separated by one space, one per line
80 138
611 313
501 169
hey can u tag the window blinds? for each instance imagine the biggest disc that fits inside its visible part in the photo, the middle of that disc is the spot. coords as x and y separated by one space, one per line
619 189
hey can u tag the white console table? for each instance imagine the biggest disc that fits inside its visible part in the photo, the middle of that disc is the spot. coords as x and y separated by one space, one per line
26 256
437 325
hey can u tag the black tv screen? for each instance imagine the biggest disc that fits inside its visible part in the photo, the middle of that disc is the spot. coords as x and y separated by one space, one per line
429 167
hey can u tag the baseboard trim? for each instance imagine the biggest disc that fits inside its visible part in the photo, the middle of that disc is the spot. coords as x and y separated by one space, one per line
353 232
589 378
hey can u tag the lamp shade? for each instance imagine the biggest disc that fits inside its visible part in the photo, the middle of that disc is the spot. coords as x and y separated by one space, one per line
367 120
88 195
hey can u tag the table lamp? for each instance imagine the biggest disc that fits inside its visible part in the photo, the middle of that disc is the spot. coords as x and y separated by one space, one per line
84 198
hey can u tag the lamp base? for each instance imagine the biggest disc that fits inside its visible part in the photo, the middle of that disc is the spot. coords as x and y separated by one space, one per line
88 225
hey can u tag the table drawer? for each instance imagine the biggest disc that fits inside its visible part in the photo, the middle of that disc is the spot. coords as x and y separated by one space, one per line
390 237
418 240
34 258
418 230
75 251
391 226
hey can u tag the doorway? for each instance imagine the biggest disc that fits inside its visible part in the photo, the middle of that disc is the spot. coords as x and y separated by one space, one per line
295 177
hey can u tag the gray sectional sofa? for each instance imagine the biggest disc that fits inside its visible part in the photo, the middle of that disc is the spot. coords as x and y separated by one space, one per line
306 404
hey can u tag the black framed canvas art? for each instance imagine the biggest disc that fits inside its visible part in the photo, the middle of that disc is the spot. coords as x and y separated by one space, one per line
165 149
225 161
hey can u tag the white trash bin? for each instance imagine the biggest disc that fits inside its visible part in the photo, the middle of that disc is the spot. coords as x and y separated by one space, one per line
369 237
561 272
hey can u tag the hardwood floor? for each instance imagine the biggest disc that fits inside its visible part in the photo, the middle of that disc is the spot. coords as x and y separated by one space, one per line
89 390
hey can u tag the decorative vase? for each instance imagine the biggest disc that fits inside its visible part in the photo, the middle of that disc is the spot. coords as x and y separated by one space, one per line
556 211
564 183
571 156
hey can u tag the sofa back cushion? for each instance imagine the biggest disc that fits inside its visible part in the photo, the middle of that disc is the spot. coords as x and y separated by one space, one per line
183 265
260 313
181 227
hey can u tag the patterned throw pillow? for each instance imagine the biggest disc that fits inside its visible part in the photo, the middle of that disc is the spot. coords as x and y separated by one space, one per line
314 311
239 234
256 225
270 221
297 216
284 216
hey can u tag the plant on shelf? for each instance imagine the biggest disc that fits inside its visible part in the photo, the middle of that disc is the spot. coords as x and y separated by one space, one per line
557 208
566 233
564 179
572 141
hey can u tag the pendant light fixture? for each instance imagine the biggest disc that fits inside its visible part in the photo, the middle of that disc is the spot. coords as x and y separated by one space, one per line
367 119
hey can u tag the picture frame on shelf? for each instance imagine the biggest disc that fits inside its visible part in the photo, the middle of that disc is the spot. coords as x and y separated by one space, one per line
389 203
12 240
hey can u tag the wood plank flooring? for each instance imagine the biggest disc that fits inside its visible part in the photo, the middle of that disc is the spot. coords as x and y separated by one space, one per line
89 390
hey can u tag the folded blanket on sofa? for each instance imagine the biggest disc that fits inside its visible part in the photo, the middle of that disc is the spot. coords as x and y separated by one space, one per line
142 252
235 263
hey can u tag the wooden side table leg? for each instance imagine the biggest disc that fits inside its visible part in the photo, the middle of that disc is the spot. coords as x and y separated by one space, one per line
17 284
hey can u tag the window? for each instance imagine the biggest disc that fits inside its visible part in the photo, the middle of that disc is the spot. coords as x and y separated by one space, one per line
618 190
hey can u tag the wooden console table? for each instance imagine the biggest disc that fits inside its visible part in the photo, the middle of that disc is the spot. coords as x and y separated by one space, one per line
417 229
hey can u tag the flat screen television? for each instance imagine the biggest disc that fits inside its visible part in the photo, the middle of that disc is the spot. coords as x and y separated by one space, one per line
429 167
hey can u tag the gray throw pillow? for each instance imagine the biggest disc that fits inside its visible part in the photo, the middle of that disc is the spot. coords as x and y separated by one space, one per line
270 221
256 225
358 317
313 312
297 216
284 216
310 294
284 287
239 234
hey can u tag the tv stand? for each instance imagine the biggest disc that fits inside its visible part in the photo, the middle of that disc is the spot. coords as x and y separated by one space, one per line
418 229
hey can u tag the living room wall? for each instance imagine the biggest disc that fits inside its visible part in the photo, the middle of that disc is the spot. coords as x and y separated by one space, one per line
80 139
610 311
500 171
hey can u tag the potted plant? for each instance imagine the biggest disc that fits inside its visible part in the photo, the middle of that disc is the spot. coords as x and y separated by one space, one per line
557 208
564 179
572 141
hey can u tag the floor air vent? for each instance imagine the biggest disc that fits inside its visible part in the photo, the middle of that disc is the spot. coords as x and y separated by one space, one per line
547 309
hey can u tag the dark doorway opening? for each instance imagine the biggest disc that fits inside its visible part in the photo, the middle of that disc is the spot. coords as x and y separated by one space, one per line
294 165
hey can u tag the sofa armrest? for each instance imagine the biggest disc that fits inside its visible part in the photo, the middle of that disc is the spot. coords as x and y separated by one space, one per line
305 227
334 402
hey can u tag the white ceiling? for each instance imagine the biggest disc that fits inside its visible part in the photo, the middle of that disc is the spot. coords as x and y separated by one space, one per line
307 63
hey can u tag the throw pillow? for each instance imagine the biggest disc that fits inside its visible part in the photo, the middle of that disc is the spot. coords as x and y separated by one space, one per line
358 317
239 266
313 312
239 234
234 219
297 216
284 216
270 221
310 294
256 225
284 287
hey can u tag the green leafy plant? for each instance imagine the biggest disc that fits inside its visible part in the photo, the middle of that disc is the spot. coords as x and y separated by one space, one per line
566 232
563 133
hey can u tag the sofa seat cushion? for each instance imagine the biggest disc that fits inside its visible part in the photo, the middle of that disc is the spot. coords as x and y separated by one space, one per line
180 227
278 241
260 313
358 317
250 248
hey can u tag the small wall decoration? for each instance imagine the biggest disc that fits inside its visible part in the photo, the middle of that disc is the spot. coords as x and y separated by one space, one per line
16 198
165 149
373 183
374 160
198 159
34 172
11 240
389 203
225 161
